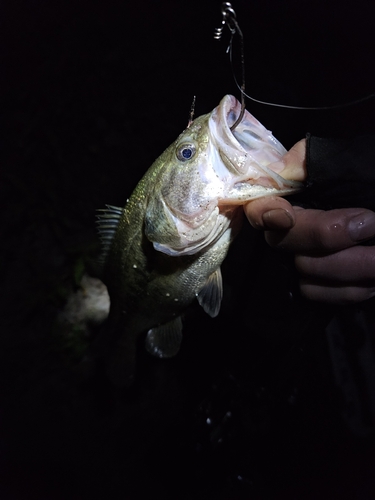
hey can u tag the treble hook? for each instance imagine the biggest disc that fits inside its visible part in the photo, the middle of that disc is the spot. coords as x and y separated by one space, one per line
230 19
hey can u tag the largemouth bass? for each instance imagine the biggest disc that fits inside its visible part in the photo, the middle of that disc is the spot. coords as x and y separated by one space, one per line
164 249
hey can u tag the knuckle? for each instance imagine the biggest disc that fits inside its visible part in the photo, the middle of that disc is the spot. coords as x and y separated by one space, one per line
307 266
326 234
329 231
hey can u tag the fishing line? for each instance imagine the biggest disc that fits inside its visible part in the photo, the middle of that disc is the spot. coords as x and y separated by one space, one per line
230 19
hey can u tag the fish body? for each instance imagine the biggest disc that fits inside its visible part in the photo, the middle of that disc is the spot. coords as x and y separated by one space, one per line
165 247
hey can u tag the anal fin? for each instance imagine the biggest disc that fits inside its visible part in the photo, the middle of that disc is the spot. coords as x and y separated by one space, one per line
164 341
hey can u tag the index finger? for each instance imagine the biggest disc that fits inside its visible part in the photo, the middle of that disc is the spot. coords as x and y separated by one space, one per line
320 231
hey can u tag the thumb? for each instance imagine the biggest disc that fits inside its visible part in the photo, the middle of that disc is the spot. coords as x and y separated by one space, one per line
295 162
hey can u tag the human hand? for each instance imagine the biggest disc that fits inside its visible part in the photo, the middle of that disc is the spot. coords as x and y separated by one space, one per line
332 265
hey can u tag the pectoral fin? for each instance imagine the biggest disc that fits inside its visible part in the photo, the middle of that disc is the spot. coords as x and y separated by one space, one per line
211 294
164 341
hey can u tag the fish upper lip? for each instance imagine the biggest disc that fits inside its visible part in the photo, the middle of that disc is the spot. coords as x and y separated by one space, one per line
229 104
232 152
235 106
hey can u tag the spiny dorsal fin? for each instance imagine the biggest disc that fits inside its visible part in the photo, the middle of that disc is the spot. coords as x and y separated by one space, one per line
107 223
164 341
211 294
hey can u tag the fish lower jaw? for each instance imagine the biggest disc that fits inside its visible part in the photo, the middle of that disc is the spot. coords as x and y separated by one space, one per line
243 192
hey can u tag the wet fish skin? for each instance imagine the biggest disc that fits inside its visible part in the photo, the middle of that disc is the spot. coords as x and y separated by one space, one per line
165 247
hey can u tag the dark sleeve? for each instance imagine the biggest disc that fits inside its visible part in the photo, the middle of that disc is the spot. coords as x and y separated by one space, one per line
341 173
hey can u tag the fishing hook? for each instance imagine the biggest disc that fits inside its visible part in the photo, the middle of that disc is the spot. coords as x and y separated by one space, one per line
230 19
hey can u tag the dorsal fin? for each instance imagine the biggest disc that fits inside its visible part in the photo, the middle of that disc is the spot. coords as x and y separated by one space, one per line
107 223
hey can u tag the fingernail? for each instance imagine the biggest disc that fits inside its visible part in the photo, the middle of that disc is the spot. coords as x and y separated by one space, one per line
362 226
278 218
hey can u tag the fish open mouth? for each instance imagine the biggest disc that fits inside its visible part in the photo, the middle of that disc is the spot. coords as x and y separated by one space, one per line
250 150
249 135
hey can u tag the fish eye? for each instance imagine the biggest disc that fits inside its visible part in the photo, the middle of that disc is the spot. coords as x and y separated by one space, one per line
185 151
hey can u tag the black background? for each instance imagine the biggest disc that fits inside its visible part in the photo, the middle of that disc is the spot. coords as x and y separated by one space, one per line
91 93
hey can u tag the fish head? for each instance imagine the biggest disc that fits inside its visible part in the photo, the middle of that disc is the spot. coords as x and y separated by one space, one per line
182 213
207 173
